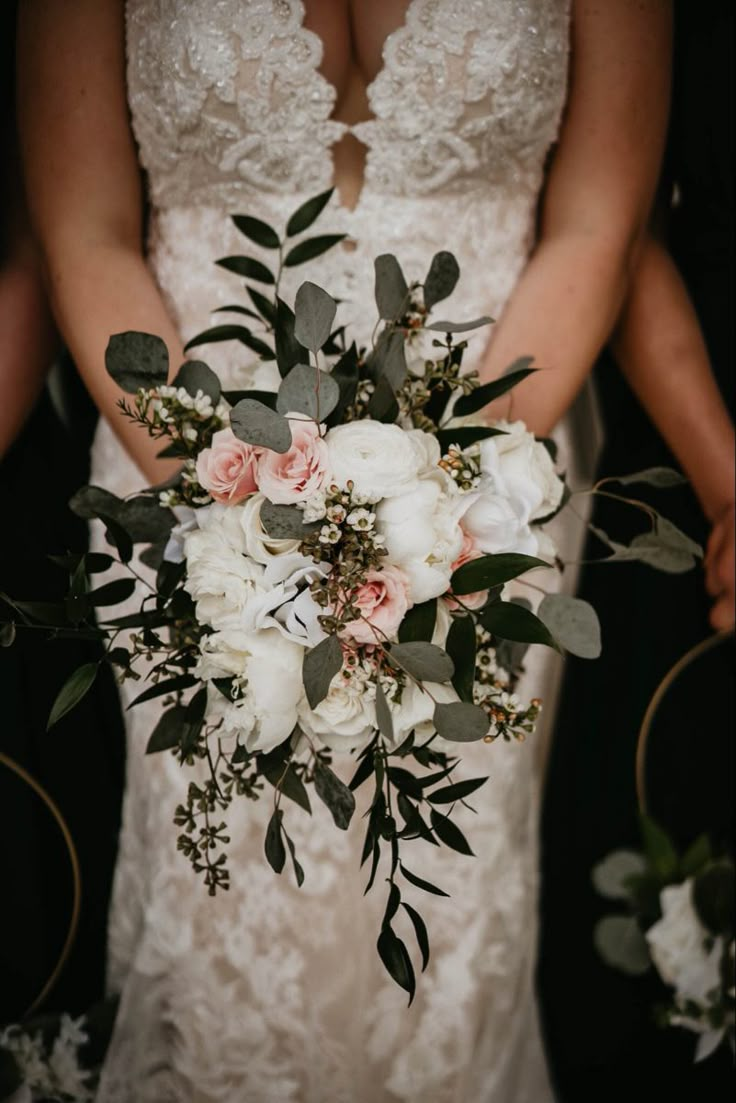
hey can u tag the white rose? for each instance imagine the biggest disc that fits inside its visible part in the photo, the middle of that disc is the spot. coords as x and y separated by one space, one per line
494 525
283 600
422 533
220 577
677 943
268 668
521 470
381 460
345 719
258 544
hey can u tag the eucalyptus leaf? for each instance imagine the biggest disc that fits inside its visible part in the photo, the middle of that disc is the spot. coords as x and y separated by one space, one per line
274 848
136 360
382 405
419 622
346 375
395 957
321 664
266 309
460 327
465 435
310 248
461 722
389 358
488 392
307 213
611 874
308 390
112 593
666 548
286 780
164 688
661 477
461 647
168 731
458 790
390 287
71 693
424 661
420 930
236 308
216 334
247 267
284 522
7 633
384 718
288 350
254 423
314 313
713 897
492 570
573 623
256 230
449 833
621 944
510 621
335 794
195 376
420 883
441 278
659 849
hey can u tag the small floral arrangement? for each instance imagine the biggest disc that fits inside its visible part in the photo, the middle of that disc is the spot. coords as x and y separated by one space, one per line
330 566
681 921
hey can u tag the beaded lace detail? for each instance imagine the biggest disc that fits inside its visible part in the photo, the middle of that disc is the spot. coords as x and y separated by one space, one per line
269 993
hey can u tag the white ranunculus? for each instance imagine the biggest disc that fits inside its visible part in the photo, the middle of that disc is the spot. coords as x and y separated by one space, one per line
521 470
268 668
422 532
381 460
221 578
258 544
677 943
345 720
283 600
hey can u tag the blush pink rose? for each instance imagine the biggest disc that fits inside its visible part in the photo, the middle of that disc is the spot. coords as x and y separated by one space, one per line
228 468
469 550
383 600
295 475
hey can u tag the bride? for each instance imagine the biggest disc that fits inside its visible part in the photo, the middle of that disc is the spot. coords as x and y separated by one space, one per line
523 136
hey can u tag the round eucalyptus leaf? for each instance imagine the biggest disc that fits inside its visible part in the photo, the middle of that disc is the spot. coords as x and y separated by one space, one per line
461 722
440 281
424 661
314 313
255 423
610 875
137 360
307 390
390 286
573 623
194 376
619 941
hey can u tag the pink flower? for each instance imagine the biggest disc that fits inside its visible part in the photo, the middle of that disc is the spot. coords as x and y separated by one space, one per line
228 468
383 600
468 551
299 473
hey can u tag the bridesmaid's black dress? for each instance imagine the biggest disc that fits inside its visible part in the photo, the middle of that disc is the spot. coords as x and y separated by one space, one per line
601 1040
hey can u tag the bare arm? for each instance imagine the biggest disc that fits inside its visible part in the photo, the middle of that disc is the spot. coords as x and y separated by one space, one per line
84 193
660 349
596 204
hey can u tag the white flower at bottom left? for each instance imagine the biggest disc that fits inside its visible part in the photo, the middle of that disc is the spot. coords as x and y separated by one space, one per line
267 672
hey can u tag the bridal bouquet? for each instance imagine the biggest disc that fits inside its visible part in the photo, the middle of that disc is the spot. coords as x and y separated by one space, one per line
681 921
331 566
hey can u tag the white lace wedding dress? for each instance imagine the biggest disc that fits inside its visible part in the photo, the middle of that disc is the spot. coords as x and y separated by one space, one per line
269 993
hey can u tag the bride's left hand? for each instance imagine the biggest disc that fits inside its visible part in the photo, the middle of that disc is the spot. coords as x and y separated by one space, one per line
720 567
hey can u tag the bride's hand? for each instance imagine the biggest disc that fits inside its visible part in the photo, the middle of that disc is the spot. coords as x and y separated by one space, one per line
720 566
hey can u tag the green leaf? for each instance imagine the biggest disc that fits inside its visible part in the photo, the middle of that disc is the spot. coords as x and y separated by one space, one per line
7 633
666 548
395 957
274 845
659 850
459 790
314 313
256 230
307 390
461 647
288 350
661 477
284 522
713 897
225 332
334 794
45 611
621 944
405 781
420 883
460 327
389 358
237 309
696 856
383 714
321 664
194 376
365 768
112 593
255 423
164 688
491 570
136 360
449 833
419 622
307 213
423 661
247 267
390 287
488 392
268 398
461 722
287 781
71 693
310 248
346 375
441 279
573 623
465 436
610 876
383 405
298 871
266 309
510 621
420 931
117 536
168 731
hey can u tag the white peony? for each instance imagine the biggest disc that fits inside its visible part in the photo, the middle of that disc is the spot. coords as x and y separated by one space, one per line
258 544
268 669
381 460
521 469
345 720
422 532
221 578
283 600
494 525
678 945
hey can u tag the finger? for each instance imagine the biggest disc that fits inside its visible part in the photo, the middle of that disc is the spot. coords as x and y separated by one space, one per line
723 613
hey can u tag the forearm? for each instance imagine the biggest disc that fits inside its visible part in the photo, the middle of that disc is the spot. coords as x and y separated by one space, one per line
660 349
97 290
561 313
28 344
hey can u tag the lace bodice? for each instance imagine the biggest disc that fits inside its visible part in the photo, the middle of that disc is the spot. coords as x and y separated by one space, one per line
468 97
